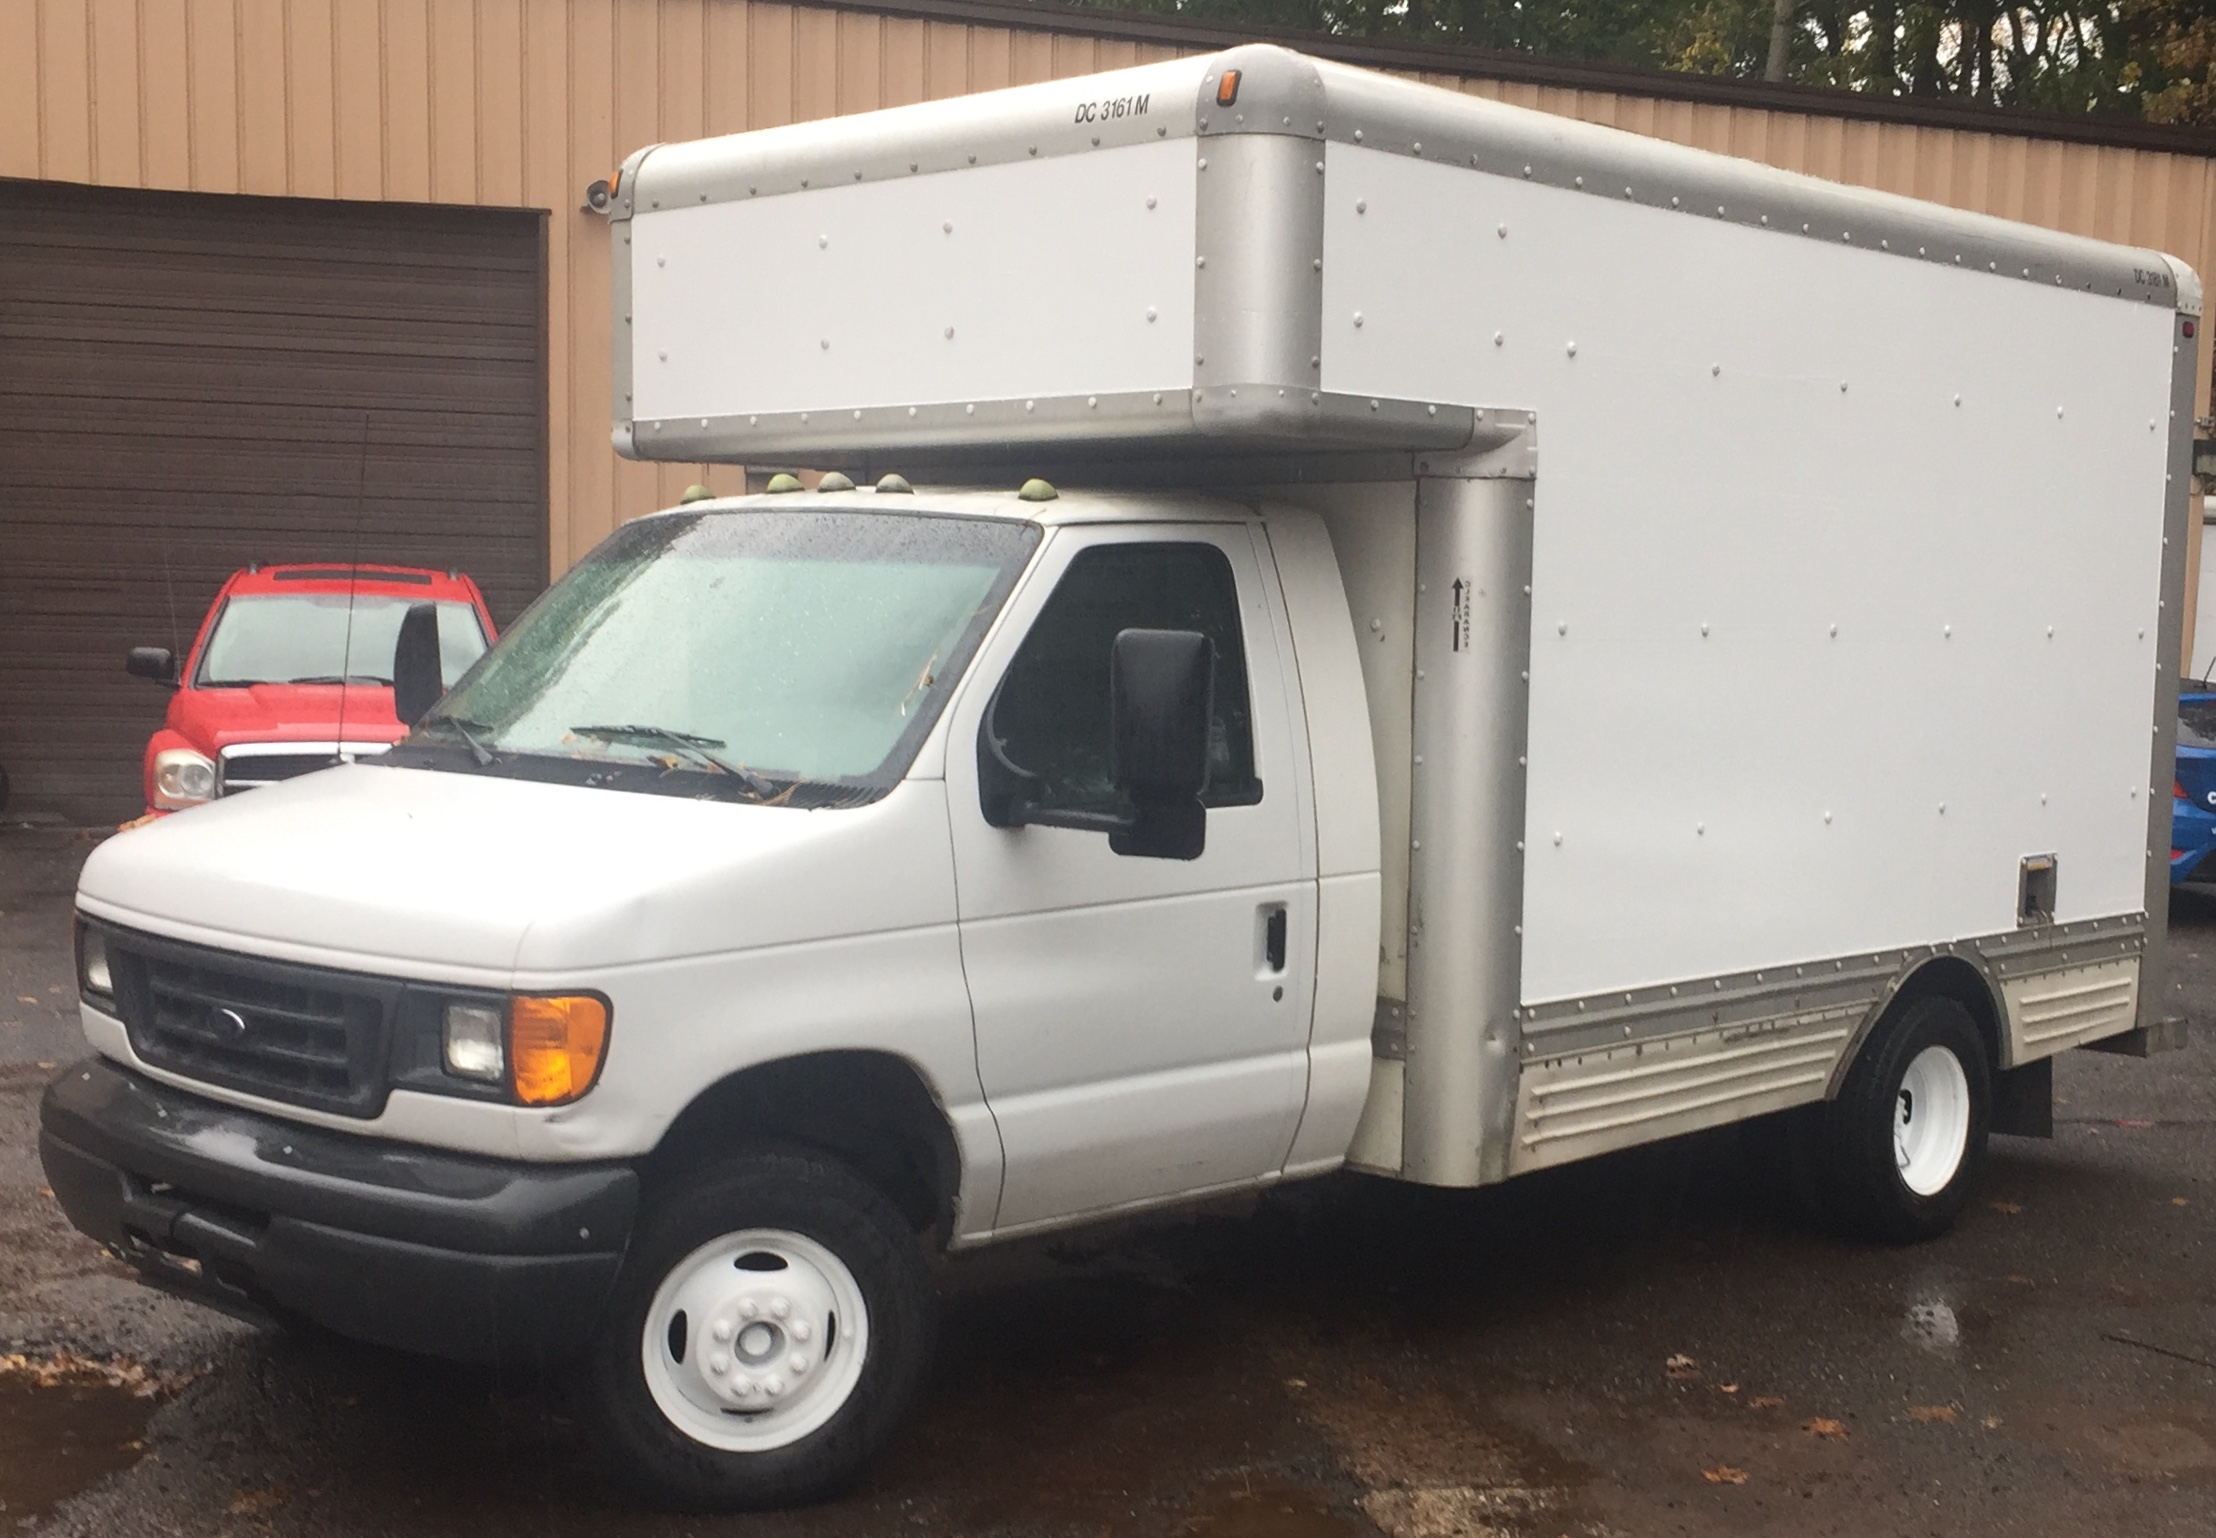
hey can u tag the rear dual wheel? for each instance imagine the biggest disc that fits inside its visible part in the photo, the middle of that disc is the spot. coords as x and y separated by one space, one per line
770 1329
1897 1154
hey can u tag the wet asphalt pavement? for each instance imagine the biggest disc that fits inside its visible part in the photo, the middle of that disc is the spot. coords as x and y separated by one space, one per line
1651 1344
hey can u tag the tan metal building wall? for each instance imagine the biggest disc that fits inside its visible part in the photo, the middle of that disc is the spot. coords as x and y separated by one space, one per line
523 102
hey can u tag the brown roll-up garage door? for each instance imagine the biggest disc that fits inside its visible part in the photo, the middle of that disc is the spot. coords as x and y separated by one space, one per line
189 383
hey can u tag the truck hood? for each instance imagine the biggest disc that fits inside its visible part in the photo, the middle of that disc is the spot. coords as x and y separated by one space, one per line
212 719
452 877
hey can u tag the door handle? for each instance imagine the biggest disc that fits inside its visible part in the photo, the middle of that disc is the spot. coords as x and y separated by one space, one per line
1273 936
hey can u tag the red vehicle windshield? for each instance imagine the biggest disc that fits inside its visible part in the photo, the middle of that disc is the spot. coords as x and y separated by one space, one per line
326 638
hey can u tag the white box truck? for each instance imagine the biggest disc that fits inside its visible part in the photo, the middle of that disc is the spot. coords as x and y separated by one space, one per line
1513 641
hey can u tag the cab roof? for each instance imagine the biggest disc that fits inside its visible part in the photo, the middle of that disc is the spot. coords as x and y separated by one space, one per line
323 577
1065 507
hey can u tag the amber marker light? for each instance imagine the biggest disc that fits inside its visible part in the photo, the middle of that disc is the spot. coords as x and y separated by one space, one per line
555 1045
1227 94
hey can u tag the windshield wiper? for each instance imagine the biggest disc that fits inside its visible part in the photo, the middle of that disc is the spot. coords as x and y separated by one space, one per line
691 746
477 749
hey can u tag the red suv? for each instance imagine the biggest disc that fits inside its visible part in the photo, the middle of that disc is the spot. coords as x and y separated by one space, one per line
292 672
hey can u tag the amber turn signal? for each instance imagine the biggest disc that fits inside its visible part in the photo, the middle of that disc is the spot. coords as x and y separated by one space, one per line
555 1045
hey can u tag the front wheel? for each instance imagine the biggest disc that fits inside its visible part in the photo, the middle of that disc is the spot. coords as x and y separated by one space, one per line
769 1331
1904 1141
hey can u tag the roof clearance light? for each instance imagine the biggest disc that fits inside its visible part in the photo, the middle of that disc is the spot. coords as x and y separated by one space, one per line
890 485
782 481
695 493
1227 89
835 480
1036 490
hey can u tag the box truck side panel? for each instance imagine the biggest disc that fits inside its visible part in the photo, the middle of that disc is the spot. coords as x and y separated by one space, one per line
1070 277
1831 605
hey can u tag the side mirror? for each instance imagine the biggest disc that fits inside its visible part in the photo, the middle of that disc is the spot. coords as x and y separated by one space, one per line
1161 688
417 681
157 664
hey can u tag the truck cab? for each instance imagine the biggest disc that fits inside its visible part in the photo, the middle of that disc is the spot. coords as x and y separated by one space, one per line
291 671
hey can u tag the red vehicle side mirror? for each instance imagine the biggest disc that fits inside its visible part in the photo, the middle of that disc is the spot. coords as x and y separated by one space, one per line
417 681
155 663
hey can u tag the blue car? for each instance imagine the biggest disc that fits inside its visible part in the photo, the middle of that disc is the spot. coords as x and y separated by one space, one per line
2193 795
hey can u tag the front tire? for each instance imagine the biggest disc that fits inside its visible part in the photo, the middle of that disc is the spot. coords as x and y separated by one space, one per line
1905 1139
769 1331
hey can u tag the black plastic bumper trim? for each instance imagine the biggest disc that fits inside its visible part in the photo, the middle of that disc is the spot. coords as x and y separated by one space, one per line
448 1254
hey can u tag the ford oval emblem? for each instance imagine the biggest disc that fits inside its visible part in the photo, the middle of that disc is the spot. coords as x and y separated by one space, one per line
232 1018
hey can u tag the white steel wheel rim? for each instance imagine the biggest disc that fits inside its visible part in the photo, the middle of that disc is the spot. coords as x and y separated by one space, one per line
754 1340
1931 1121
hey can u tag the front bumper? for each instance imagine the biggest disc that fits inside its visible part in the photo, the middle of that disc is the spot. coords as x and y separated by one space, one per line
451 1255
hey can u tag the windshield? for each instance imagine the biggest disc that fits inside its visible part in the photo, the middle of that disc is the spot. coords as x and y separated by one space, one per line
743 654
309 638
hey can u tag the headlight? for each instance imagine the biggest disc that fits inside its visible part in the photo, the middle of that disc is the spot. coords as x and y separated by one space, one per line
476 1037
182 778
93 975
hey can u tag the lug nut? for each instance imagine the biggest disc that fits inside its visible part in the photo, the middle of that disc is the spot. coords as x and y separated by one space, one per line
800 1330
719 1364
748 1308
773 1385
798 1362
721 1329
779 1308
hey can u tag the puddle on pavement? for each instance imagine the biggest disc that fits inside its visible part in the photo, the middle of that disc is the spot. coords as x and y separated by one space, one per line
60 1434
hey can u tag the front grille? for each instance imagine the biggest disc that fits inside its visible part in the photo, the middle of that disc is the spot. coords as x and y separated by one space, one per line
305 1035
246 771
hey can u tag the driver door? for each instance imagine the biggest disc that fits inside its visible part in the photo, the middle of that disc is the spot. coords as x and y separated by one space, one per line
1142 1023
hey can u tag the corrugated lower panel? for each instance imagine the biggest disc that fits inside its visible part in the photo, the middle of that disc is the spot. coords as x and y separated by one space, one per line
1575 1107
189 383
2057 1010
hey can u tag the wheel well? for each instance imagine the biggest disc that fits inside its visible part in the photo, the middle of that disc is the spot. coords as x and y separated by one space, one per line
871 1109
1947 977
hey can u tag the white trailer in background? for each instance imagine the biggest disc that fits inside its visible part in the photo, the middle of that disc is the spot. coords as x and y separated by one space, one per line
1515 641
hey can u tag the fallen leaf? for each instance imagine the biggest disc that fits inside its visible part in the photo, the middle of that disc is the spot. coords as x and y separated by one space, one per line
26 998
2011 1208
1724 1474
46 1066
57 987
1296 1382
1824 1426
2021 1280
1764 1402
255 1500
1727 1388
2177 1201
1680 1368
2132 1121
65 1368
1991 1423
47 1192
2092 1132
1927 1413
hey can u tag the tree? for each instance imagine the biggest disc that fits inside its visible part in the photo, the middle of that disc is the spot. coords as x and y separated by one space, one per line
2127 58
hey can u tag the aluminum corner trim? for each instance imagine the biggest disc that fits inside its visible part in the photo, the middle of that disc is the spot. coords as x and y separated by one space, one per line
1279 92
2188 285
2177 515
1258 265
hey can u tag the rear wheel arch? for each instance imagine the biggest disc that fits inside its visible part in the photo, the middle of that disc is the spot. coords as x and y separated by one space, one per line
1947 977
872 1111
